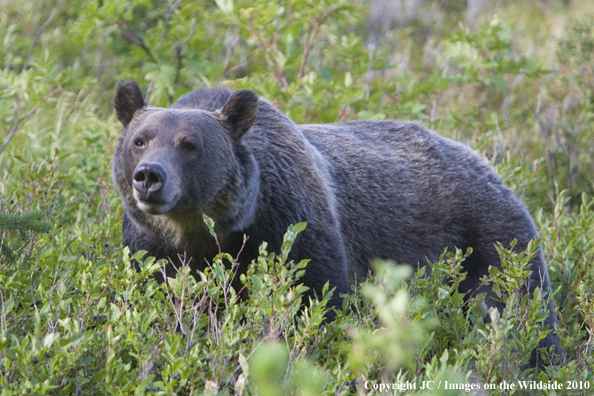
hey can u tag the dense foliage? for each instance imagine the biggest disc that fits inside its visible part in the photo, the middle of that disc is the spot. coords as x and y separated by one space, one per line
75 318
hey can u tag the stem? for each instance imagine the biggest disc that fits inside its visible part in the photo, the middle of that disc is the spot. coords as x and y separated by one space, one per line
234 44
8 139
36 39
167 20
241 66
311 36
181 45
136 41
545 136
372 48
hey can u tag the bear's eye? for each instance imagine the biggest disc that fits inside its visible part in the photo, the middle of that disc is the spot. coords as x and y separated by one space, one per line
139 143
188 146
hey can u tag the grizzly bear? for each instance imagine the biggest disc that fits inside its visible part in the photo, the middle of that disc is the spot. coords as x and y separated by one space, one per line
367 189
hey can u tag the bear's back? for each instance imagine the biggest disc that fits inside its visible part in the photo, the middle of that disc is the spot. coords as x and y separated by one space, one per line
204 99
403 191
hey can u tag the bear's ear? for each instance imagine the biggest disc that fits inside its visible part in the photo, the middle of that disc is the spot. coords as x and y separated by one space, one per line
239 112
127 101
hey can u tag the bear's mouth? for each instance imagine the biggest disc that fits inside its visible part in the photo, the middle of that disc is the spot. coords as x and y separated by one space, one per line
154 204
151 207
150 203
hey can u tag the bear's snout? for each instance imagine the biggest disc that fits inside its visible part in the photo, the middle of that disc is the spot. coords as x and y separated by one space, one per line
148 179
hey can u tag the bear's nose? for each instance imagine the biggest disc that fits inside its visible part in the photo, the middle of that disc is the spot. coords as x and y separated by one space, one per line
149 178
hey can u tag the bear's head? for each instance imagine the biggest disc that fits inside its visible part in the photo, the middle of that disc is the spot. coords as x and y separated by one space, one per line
178 160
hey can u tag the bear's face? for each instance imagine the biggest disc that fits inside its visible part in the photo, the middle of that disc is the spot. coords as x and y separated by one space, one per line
176 160
173 158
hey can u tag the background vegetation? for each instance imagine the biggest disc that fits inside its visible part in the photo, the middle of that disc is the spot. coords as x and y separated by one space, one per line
513 79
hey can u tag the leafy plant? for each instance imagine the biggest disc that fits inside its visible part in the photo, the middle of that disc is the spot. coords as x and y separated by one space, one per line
75 318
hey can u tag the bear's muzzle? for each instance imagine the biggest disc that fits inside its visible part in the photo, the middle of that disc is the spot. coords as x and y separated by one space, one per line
148 181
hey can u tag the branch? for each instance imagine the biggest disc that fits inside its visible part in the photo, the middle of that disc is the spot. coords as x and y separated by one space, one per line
312 36
149 90
308 44
236 41
15 128
179 56
546 135
36 39
167 20
276 34
369 75
136 41
181 45
193 31
241 66
7 54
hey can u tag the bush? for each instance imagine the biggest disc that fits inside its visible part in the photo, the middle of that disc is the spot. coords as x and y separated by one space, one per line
75 318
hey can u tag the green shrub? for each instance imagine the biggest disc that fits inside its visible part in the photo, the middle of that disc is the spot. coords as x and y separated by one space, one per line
75 318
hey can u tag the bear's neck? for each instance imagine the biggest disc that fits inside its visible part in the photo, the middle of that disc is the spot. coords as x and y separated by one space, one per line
234 207
233 210
182 231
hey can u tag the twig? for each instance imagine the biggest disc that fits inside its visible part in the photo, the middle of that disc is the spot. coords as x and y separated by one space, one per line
172 298
15 128
311 36
149 90
241 66
55 317
3 325
369 75
193 31
276 33
234 44
197 313
181 45
277 70
231 377
179 56
136 41
36 39
277 335
167 20
546 135
2 248
8 48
